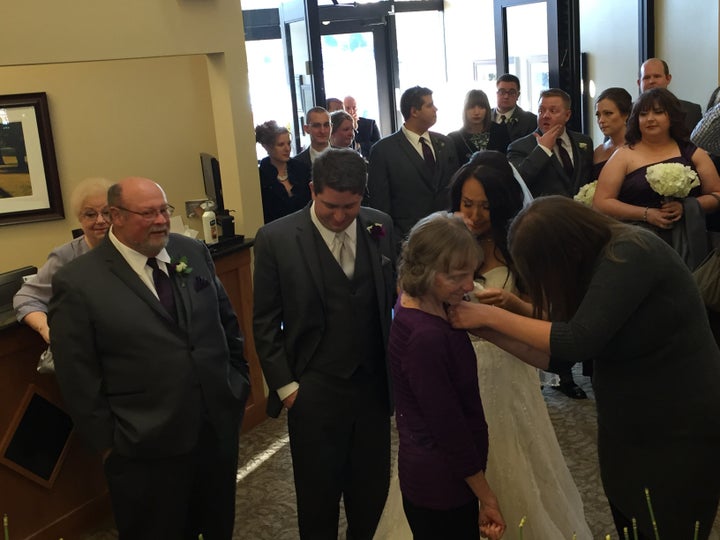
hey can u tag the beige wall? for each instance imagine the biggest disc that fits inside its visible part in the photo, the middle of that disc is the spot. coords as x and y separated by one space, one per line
137 88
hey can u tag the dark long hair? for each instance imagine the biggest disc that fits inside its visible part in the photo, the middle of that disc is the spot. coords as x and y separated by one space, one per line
555 243
504 194
662 99
477 98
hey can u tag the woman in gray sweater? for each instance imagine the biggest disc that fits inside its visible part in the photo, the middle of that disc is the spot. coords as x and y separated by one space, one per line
622 297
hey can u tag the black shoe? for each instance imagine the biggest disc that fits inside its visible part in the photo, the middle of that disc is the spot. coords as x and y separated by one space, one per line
571 390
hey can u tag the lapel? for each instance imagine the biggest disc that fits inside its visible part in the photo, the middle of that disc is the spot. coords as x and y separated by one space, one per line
416 161
376 260
305 237
577 162
180 289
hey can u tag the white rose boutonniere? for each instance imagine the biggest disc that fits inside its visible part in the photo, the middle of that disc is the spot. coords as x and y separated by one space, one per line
181 266
582 145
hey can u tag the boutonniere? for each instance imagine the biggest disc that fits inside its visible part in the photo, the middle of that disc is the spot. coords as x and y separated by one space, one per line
582 145
200 283
513 120
377 231
181 266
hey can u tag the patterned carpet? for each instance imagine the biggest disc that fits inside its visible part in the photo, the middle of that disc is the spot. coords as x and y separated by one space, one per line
266 499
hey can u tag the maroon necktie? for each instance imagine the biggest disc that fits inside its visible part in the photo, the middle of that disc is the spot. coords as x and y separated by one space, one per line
565 158
163 287
427 154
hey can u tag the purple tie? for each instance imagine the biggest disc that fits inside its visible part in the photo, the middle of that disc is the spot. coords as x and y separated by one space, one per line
163 287
427 154
565 158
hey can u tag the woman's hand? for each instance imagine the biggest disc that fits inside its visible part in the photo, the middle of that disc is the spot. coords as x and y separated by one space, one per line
661 218
468 315
504 299
673 210
491 521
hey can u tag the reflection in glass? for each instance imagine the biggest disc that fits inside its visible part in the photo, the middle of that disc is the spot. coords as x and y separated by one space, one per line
349 69
269 91
528 58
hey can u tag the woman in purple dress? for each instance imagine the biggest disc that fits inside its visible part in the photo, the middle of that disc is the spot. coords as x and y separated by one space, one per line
440 420
656 134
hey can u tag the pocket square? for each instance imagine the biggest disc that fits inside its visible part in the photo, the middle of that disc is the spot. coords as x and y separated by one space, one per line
200 283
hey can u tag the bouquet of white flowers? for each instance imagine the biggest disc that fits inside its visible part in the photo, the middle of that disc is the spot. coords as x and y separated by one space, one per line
672 179
586 193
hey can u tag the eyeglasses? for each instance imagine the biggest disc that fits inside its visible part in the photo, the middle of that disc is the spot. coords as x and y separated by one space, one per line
152 214
503 92
92 215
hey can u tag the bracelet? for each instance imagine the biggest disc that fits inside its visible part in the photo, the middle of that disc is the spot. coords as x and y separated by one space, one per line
646 212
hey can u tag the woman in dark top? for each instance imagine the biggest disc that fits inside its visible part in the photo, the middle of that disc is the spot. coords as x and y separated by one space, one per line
612 108
342 132
620 295
284 181
440 420
479 132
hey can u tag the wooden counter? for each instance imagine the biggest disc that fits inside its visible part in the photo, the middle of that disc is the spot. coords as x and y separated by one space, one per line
67 496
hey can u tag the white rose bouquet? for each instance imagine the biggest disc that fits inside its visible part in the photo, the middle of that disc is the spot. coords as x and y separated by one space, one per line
586 193
672 179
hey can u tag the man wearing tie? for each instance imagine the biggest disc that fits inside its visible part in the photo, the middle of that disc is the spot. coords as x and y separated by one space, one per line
554 161
323 292
517 121
149 358
410 170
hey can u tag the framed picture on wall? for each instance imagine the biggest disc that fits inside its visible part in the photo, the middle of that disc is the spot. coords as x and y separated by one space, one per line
29 182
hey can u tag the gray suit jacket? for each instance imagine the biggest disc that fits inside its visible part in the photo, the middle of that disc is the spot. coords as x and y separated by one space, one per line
400 184
132 378
522 123
544 174
289 294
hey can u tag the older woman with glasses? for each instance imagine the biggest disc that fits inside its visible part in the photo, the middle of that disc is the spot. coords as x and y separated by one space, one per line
89 204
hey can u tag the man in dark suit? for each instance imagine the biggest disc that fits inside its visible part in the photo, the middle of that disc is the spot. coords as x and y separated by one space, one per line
410 170
554 161
317 125
366 129
323 295
149 358
507 113
655 73
539 157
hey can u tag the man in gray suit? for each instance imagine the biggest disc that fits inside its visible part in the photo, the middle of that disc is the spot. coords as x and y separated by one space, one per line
410 170
554 161
318 127
507 113
655 73
541 158
149 358
324 284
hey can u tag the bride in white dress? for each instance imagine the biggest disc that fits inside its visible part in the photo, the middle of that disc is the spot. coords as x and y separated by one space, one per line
525 464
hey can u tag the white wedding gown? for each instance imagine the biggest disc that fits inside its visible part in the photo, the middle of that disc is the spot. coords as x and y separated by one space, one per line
526 468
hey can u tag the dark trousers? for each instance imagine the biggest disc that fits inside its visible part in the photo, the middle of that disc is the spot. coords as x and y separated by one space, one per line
179 497
340 444
454 524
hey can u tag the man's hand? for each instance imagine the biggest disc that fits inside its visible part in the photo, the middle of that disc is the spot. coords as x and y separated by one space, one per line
549 138
290 400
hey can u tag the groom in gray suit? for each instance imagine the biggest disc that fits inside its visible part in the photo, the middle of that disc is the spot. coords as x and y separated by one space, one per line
149 358
324 284
410 170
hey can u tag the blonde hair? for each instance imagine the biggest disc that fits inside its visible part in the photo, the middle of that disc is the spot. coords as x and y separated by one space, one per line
89 187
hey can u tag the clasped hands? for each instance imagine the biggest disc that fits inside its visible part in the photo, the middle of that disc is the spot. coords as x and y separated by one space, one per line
665 216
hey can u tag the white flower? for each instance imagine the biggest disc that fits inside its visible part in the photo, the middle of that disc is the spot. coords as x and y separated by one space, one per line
672 179
180 267
586 193
582 145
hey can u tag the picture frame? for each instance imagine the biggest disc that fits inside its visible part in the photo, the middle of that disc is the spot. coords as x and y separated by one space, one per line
29 181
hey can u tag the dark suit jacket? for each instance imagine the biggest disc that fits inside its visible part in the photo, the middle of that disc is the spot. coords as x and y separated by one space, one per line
693 113
366 135
289 294
522 123
304 158
544 174
400 184
132 378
